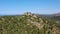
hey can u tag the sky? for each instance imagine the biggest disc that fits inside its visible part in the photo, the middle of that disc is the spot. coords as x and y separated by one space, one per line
13 7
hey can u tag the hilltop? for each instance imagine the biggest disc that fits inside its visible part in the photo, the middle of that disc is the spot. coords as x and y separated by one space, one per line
28 23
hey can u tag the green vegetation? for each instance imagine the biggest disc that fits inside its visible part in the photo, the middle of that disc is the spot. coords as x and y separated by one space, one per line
20 25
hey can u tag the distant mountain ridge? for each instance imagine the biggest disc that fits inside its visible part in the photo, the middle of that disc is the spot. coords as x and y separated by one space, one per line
57 14
50 16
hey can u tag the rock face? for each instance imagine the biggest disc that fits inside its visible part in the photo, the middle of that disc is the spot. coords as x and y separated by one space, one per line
28 23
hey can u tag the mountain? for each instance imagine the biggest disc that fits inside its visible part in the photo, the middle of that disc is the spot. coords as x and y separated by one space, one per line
28 23
55 17
57 14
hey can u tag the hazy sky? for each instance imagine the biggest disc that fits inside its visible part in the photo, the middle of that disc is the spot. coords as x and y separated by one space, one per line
34 6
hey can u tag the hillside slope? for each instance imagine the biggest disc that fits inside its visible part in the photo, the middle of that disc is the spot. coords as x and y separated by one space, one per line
28 24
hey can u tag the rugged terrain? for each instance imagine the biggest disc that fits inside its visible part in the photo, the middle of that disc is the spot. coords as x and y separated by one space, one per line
28 23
